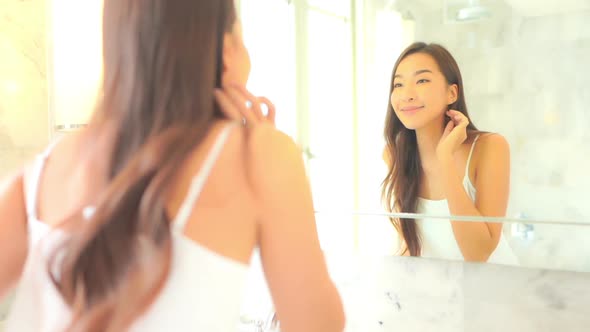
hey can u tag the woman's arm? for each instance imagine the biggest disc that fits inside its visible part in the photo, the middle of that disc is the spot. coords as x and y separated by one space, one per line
477 240
303 293
304 296
13 232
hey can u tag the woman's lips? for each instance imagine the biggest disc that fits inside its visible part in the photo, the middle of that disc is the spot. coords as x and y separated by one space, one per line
411 109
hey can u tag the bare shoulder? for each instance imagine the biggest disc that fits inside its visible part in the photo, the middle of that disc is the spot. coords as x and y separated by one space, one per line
262 144
492 144
266 136
227 179
492 150
260 160
274 159
233 144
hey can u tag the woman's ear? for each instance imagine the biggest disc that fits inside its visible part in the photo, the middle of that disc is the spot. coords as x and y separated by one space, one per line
452 94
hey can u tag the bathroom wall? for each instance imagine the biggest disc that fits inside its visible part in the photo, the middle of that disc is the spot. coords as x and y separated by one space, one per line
24 128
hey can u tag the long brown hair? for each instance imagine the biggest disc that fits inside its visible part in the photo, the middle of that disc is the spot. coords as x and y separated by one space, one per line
162 61
401 186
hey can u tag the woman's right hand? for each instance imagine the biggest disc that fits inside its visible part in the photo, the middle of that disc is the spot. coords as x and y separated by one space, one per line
239 104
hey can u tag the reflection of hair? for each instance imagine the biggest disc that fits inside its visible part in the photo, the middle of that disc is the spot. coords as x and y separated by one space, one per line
401 185
162 61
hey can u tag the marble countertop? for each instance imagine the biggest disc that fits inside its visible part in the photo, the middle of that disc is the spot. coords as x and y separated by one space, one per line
402 293
410 294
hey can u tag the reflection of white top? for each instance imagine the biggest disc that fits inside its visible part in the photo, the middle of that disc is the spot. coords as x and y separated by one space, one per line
438 239
203 291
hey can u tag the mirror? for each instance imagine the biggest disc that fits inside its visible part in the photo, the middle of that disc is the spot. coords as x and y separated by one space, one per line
524 72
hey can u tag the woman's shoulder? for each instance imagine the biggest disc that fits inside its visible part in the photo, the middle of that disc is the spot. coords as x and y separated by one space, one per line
490 141
261 141
260 155
490 147
271 153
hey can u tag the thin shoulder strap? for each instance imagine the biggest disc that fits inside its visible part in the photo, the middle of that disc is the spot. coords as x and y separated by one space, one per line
199 180
469 157
33 179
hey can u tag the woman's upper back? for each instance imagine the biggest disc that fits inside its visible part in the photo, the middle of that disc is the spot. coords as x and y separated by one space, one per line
203 286
73 177
256 194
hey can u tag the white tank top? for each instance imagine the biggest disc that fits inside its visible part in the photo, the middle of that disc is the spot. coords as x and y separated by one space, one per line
438 239
203 291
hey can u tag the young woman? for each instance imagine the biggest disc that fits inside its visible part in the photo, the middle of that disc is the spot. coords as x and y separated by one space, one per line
440 164
146 220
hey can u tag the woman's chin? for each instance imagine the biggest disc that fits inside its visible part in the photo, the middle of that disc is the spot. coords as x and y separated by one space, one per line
412 125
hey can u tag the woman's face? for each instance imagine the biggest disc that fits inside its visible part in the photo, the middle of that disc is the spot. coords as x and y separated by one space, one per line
421 94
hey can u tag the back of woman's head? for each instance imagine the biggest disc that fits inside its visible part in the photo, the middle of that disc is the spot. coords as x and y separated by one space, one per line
162 61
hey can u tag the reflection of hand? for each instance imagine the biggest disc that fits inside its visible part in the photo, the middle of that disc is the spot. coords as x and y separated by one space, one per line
240 105
453 136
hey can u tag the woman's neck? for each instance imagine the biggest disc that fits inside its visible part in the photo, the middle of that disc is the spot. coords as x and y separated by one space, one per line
427 139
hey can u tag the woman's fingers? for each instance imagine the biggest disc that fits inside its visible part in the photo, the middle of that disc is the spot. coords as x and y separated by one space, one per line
271 110
226 105
239 104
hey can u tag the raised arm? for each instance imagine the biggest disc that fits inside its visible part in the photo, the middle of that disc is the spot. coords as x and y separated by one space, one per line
477 240
302 291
